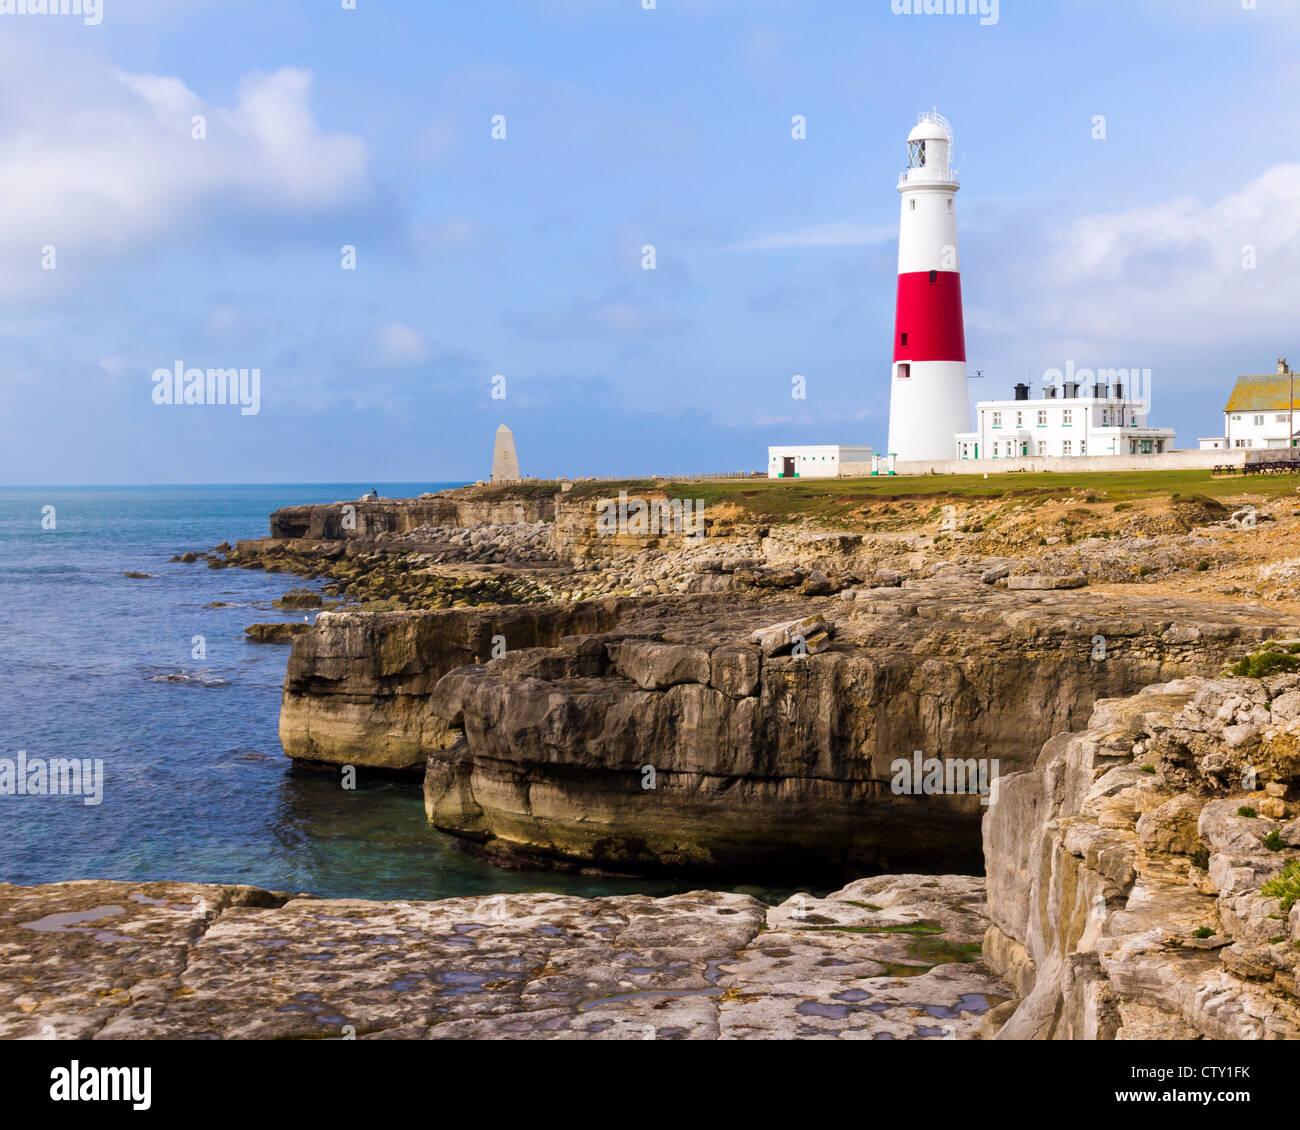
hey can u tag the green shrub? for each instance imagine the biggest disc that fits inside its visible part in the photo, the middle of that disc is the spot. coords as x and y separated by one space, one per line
1273 841
1273 658
1246 811
1203 932
1201 857
1285 886
1202 566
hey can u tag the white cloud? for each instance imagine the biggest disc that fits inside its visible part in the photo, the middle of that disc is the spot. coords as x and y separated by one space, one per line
1175 273
826 235
99 162
401 344
609 317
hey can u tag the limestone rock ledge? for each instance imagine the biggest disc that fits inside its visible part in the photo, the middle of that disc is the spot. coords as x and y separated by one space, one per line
673 741
1125 870
887 958
357 687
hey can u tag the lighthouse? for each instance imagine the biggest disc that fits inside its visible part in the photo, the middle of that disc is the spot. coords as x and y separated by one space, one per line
928 403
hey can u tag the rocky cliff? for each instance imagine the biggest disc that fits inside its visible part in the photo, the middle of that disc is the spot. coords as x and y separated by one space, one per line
1143 878
357 688
677 740
366 519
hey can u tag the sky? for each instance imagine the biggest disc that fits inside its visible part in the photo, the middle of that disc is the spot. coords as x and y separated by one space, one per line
500 167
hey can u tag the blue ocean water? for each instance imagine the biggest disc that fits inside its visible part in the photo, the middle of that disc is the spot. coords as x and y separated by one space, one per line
94 665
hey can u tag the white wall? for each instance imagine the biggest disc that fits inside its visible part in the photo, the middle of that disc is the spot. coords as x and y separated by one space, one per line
1093 427
1257 429
822 461
1170 461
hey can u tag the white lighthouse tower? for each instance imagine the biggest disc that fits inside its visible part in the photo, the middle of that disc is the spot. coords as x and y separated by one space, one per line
928 403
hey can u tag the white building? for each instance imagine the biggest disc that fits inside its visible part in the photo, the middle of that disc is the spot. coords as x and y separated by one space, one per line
1071 420
813 462
1260 412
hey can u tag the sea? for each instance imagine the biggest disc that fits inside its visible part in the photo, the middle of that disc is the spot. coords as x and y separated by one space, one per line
154 678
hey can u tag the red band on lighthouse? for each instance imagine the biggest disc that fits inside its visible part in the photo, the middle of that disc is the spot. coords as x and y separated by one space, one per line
928 325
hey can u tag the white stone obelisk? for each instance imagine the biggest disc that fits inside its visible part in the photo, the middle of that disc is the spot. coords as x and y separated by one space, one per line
505 463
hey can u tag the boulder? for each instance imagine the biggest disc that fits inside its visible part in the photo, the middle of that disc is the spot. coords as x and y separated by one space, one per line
777 638
1031 583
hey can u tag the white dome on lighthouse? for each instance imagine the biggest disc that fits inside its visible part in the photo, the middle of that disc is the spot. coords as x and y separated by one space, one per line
931 127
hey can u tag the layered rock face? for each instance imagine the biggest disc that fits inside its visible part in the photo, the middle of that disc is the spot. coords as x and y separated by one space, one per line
889 958
367 519
672 740
1141 877
357 687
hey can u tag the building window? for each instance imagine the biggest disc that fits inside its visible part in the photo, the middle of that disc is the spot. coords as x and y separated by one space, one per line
1042 417
1020 419
1067 417
1236 419
997 419
1042 447
1065 447
1259 421
1281 418
1083 447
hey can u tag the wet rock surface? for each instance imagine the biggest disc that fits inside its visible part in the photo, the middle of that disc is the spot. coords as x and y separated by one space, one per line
887 958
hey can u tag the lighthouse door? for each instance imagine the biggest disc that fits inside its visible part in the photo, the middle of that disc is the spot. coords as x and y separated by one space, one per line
788 468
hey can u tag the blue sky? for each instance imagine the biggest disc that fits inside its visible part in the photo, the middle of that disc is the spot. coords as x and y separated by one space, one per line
522 257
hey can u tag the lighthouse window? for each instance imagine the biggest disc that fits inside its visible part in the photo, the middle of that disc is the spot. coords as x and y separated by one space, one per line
950 205
934 277
905 370
913 205
905 339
